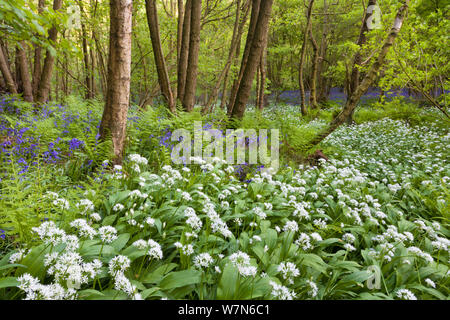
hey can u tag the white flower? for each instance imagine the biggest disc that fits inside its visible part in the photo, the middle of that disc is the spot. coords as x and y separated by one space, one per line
84 230
288 271
430 283
281 292
258 211
86 205
312 292
291 226
107 234
349 238
203 260
96 217
405 294
119 264
18 256
118 207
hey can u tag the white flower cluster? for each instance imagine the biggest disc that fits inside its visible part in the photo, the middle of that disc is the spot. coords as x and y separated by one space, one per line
203 260
153 248
36 291
241 261
288 271
217 224
281 292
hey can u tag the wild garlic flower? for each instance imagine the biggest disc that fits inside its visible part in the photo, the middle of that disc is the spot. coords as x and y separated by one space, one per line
107 234
281 292
405 294
37 291
49 233
18 256
203 260
288 271
349 238
119 264
241 261
84 230
192 219
313 290
122 283
290 226
118 207
86 205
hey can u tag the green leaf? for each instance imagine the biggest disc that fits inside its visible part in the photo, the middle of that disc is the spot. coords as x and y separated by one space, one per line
180 279
121 241
9 282
228 283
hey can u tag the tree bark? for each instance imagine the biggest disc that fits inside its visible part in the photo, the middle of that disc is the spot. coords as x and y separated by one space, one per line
358 59
6 72
368 80
315 63
114 119
24 73
184 51
302 59
163 75
192 67
37 57
250 34
235 42
257 42
46 76
262 73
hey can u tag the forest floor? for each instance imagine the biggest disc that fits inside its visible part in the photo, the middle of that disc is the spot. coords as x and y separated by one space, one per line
372 222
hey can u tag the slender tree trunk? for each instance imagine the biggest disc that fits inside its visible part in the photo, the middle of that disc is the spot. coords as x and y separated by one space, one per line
184 51
368 80
37 57
6 72
235 42
180 28
315 63
114 119
302 58
262 73
358 59
192 67
254 57
250 34
24 73
46 76
322 90
163 75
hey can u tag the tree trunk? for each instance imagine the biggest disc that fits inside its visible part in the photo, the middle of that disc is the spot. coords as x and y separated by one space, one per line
302 59
262 73
46 76
184 51
114 119
24 73
250 34
37 57
355 74
368 80
163 76
315 63
256 45
235 42
6 72
192 67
